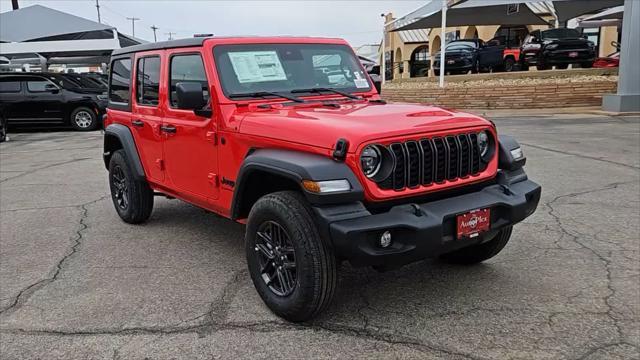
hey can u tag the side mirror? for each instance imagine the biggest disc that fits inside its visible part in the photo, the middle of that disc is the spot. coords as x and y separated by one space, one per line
51 88
374 70
190 96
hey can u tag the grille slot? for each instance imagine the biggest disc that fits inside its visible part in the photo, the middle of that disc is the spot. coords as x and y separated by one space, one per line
434 160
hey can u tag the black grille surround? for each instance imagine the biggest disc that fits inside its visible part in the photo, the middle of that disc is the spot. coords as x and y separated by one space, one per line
433 160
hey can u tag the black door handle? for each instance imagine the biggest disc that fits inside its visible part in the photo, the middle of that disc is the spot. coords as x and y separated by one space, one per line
137 123
168 129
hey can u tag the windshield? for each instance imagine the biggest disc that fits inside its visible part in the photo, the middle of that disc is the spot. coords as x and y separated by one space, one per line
560 34
461 45
288 68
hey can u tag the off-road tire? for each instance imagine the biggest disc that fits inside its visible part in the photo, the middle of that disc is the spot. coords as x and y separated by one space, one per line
139 196
509 64
84 125
562 66
316 265
480 252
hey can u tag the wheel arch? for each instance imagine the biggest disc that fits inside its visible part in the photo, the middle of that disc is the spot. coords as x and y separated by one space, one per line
269 170
116 137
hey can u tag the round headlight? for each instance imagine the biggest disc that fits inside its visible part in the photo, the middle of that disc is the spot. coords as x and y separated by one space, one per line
370 160
483 143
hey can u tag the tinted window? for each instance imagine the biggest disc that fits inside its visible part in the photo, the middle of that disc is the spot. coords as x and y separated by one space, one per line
186 68
462 45
560 34
9 85
120 76
148 82
38 85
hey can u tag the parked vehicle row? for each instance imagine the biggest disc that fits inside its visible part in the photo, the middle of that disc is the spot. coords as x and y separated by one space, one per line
52 99
541 48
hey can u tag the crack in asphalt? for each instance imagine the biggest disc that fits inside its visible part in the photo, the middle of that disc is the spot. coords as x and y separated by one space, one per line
581 156
24 294
611 313
31 171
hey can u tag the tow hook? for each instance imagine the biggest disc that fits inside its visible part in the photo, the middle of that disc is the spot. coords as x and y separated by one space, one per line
417 211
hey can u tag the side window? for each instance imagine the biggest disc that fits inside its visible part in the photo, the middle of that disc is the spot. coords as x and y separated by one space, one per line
9 85
148 80
120 77
38 85
186 68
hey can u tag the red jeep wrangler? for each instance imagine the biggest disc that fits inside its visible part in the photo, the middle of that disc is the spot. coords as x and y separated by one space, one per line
289 136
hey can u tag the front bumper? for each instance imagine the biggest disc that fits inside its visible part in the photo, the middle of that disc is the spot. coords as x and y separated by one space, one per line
425 230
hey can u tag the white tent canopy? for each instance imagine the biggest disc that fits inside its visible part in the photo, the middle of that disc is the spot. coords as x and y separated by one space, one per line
45 33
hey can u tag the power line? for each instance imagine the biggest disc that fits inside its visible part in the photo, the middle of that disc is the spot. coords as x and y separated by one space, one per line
154 28
133 25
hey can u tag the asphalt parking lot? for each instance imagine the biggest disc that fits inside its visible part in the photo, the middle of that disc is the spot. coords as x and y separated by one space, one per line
78 283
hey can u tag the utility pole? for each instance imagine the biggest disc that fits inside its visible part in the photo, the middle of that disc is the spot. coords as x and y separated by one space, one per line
170 35
98 8
133 25
154 28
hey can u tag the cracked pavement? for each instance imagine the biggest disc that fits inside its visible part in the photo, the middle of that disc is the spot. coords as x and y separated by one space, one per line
77 283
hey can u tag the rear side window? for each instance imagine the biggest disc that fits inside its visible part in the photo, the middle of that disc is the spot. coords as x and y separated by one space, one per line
120 77
148 80
186 68
9 85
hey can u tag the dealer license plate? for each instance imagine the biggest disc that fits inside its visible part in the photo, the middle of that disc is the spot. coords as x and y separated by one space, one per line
573 54
473 223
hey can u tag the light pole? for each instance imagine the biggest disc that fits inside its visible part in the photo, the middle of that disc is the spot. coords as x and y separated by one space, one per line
443 42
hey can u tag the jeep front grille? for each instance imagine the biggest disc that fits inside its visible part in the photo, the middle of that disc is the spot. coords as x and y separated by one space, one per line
436 160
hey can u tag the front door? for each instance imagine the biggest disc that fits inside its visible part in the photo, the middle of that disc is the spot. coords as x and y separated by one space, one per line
43 101
147 114
190 148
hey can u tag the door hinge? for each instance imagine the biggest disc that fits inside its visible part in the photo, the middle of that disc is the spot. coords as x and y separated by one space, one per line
213 179
212 137
160 164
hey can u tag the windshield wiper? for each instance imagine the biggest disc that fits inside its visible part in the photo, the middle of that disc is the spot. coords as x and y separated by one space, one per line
265 94
318 90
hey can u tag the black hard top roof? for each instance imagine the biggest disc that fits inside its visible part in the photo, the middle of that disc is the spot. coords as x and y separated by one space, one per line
161 45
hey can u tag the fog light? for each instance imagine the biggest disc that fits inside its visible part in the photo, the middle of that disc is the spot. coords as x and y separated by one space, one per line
385 239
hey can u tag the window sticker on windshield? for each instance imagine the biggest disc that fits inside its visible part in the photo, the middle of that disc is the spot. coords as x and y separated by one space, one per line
257 66
360 81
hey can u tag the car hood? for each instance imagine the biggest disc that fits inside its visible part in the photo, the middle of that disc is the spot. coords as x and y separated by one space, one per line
357 122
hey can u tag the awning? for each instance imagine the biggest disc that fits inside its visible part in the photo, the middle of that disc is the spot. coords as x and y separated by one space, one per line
471 12
570 9
609 14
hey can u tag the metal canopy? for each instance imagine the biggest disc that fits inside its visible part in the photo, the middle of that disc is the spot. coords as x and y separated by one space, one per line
609 14
570 9
35 22
471 12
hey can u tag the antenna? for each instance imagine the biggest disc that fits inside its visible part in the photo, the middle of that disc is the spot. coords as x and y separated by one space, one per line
154 28
133 25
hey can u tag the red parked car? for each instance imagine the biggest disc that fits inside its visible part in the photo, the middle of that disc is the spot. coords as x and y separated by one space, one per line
289 136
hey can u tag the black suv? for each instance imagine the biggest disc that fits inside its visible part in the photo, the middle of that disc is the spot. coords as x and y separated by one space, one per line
48 98
559 47
462 56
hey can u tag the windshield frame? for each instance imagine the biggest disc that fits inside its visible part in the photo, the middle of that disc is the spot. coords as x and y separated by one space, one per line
215 49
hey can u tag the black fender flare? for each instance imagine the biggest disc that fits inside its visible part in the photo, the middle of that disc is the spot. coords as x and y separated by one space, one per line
297 166
124 136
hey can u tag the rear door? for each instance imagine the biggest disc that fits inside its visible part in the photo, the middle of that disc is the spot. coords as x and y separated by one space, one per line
190 148
146 117
11 93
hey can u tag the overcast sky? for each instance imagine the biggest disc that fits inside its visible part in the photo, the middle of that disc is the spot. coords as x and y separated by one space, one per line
357 21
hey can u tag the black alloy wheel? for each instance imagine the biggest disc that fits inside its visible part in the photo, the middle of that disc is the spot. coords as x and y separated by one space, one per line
276 257
120 189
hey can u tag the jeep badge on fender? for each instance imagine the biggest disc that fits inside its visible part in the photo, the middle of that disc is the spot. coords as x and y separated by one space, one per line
317 166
